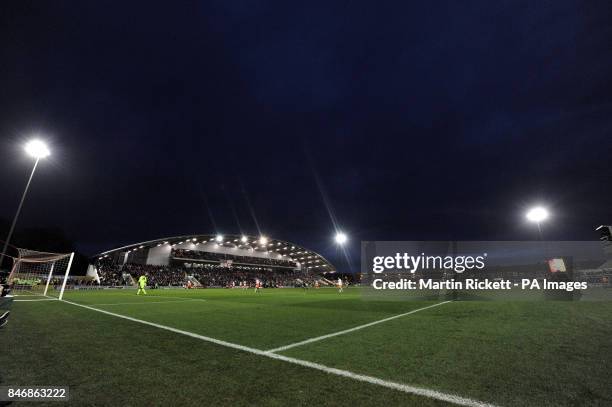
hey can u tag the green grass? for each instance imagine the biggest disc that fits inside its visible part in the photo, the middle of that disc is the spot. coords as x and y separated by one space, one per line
512 353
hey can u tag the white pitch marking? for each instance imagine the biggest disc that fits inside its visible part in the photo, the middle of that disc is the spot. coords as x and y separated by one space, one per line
419 391
38 299
356 328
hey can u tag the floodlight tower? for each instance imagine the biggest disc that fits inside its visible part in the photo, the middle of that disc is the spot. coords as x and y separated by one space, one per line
341 239
537 215
36 149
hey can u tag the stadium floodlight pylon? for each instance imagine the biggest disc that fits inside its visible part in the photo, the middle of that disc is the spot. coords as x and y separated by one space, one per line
41 274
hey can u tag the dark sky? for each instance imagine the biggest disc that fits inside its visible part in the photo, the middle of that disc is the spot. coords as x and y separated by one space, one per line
423 120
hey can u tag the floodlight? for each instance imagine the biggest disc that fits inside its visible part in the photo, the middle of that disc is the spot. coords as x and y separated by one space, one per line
219 238
341 238
537 214
37 149
263 240
244 239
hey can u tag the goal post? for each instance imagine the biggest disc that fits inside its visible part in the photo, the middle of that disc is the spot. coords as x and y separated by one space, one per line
40 274
49 278
61 295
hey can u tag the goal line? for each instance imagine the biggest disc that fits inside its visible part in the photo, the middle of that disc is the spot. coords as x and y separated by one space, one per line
34 299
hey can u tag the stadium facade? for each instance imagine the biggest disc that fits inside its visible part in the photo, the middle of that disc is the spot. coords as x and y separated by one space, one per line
227 250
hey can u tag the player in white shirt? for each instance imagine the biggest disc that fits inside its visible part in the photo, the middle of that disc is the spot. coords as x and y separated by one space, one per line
339 285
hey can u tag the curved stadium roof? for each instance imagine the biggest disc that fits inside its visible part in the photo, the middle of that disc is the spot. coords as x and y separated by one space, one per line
244 244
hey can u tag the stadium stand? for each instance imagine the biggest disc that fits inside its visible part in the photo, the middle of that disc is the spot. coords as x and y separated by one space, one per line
110 274
208 275
211 261
157 275
215 276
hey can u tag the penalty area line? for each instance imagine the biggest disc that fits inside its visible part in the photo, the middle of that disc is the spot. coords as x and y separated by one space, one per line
405 388
356 328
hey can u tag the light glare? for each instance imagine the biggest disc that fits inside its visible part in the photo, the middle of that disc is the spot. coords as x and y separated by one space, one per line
37 149
341 238
537 214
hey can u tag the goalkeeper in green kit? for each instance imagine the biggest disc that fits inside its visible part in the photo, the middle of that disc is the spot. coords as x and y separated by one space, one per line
142 283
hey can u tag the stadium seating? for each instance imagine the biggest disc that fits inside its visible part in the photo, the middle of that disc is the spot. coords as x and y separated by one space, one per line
157 275
216 276
110 274
208 275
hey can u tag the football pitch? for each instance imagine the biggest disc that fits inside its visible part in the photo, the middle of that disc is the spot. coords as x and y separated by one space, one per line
318 347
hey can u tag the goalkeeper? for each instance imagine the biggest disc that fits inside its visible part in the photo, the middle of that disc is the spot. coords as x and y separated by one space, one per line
142 283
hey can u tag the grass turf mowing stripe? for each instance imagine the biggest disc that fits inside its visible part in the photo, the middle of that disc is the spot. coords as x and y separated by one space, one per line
144 302
356 328
174 296
419 391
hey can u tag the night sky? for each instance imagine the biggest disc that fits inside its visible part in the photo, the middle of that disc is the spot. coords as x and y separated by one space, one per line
404 120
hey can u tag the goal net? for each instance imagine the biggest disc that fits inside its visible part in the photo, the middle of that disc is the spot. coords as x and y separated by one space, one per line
39 274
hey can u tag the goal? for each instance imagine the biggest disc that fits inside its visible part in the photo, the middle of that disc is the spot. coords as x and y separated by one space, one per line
39 274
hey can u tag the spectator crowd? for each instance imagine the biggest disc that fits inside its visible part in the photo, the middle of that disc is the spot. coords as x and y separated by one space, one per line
208 275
